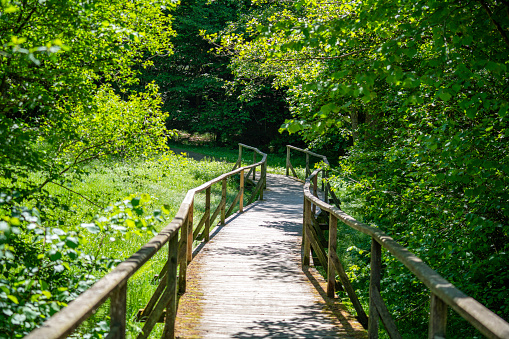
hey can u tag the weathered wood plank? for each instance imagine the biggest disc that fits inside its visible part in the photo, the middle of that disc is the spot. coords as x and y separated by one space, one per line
361 314
374 285
248 281
437 318
385 315
331 272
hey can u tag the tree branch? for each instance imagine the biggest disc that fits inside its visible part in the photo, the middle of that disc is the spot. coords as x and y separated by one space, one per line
497 25
81 195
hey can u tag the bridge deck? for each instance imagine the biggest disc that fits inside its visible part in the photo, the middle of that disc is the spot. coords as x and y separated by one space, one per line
247 282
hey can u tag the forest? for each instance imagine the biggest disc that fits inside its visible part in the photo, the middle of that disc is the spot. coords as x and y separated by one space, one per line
409 100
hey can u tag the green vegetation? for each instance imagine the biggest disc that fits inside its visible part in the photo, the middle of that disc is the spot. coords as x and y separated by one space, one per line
126 201
276 162
193 81
420 89
409 98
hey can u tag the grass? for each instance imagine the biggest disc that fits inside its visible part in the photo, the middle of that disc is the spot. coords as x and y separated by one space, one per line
276 162
166 179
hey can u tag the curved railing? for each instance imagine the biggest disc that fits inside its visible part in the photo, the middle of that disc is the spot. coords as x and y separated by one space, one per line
180 235
443 293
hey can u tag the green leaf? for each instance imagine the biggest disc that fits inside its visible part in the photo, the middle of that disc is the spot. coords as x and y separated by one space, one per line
91 227
13 299
444 96
72 242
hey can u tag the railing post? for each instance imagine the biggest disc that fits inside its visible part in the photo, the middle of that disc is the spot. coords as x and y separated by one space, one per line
184 239
327 187
171 276
263 174
307 166
287 160
118 312
306 245
241 199
437 318
223 201
190 233
254 162
374 286
207 212
331 272
239 160
315 190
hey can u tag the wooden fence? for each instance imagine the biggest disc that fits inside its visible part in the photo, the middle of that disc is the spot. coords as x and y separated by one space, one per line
180 234
442 293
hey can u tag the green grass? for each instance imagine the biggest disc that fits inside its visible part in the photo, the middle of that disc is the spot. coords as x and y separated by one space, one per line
276 162
166 179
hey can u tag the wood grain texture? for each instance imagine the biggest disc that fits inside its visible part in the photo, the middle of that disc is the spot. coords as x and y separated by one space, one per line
247 282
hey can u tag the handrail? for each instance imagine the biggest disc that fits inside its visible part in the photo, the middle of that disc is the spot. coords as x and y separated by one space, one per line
114 284
443 293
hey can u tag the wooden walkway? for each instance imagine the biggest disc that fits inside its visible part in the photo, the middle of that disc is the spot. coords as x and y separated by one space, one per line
247 282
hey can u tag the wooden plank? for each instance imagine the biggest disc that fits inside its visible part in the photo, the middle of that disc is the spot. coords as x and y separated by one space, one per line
207 213
241 189
200 225
118 312
255 192
190 237
287 161
385 315
308 172
313 238
168 296
319 233
182 260
293 170
361 314
216 213
143 315
374 285
315 190
331 272
254 168
223 201
234 203
437 318
171 305
249 174
306 245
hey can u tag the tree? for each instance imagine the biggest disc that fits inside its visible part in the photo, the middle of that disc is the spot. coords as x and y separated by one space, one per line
66 74
423 87
194 81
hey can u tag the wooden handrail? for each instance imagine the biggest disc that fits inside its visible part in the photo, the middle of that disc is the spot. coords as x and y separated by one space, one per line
442 292
114 285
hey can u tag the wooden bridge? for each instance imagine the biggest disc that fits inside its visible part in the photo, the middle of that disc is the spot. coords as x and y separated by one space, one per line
252 276
247 282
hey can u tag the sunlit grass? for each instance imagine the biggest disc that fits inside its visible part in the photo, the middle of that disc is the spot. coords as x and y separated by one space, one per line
166 179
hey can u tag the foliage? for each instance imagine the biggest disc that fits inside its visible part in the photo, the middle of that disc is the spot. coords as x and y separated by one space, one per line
66 68
43 267
194 81
58 59
422 89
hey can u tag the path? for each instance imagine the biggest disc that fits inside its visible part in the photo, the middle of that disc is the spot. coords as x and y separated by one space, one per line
247 282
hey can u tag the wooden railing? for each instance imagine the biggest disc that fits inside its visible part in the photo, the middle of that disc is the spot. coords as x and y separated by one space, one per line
180 234
442 293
